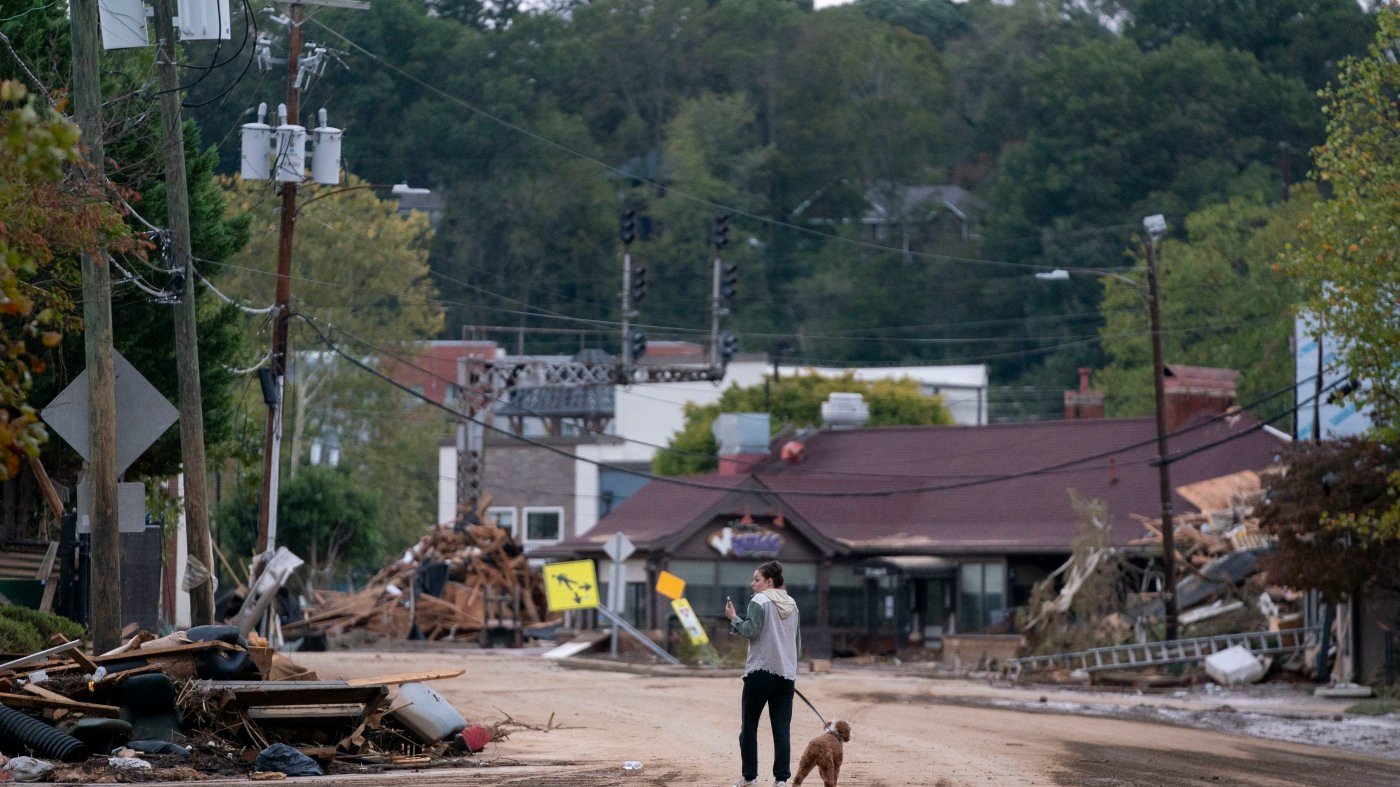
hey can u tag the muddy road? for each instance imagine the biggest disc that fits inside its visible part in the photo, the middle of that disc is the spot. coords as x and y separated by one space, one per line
582 725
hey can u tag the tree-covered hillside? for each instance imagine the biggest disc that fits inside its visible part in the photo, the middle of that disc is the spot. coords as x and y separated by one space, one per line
1062 124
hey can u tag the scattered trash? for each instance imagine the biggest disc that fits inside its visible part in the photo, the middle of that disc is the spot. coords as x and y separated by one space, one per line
287 760
19 732
158 747
27 769
475 737
631 765
134 763
1234 666
425 713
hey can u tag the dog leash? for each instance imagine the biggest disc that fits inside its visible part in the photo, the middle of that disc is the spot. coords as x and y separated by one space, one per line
809 705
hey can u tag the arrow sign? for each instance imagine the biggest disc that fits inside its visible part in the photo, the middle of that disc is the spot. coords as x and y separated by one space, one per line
571 585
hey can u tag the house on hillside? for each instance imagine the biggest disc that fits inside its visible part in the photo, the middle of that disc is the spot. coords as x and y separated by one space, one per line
922 218
898 536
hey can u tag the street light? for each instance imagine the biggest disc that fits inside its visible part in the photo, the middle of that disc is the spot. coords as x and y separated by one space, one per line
1156 226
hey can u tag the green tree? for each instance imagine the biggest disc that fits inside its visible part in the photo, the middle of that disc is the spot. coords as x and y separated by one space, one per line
362 270
1347 260
793 402
324 516
1224 302
1298 38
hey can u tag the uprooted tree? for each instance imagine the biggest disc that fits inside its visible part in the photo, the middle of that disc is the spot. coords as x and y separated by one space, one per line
1087 609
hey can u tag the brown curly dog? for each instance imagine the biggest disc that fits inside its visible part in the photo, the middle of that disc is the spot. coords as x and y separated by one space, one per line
824 753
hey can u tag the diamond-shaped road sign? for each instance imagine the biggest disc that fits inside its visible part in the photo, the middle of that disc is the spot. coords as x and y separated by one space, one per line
619 547
143 414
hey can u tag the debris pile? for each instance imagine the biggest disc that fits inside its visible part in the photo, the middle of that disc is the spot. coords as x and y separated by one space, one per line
1086 616
468 580
202 703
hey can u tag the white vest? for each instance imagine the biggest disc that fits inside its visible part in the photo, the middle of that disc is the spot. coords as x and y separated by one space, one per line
775 648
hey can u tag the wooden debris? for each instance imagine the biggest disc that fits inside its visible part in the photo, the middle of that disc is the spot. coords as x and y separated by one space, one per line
408 677
268 776
34 701
489 582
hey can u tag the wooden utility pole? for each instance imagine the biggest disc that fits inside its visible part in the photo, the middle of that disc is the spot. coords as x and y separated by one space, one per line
277 362
196 500
105 623
1164 480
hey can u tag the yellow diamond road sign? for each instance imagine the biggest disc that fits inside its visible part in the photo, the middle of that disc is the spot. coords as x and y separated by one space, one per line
572 585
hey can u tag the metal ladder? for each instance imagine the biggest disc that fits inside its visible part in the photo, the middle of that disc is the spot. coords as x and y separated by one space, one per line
1179 651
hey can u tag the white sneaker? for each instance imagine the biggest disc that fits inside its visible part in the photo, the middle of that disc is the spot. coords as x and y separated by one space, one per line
746 783
780 784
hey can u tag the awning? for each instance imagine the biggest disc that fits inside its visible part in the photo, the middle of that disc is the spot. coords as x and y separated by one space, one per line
906 566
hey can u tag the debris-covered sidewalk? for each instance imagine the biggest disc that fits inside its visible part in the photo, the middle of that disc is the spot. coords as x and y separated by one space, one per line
207 702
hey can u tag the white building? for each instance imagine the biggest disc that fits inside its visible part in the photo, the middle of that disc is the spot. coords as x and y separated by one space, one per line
646 416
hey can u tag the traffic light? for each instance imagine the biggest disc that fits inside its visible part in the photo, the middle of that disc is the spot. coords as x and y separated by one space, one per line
639 282
719 231
729 281
627 225
728 346
637 341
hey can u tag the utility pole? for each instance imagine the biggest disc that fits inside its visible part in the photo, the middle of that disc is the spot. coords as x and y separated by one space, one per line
289 169
277 361
196 500
1156 227
105 621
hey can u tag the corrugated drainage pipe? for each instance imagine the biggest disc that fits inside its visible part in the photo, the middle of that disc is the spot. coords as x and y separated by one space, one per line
21 732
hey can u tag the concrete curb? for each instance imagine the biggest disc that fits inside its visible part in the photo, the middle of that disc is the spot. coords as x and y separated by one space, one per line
658 670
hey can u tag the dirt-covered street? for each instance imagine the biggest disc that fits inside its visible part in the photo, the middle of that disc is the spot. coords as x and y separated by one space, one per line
581 725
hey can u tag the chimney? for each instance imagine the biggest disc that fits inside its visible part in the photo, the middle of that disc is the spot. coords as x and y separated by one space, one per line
1196 390
743 441
1085 403
845 411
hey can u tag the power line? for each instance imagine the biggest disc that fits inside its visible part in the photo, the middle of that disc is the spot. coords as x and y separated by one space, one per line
669 189
795 493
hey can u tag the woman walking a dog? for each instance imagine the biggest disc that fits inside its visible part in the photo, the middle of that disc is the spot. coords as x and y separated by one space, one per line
770 671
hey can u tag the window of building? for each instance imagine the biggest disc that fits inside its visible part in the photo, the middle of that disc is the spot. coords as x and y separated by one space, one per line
981 596
845 598
543 524
504 516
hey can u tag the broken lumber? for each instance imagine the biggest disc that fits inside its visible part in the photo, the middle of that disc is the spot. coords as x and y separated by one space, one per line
407 677
34 701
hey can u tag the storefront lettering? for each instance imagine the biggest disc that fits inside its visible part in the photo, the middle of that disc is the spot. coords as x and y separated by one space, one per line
746 541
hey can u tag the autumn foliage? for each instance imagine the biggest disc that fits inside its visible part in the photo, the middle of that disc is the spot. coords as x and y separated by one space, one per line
52 208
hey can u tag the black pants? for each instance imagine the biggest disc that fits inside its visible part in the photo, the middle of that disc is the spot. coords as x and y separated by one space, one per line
764 688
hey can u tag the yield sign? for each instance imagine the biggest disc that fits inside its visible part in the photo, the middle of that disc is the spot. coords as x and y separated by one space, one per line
143 414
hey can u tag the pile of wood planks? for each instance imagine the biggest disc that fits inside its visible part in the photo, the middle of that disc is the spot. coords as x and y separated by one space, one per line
468 579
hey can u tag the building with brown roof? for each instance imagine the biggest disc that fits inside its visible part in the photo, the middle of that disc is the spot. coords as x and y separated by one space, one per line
901 535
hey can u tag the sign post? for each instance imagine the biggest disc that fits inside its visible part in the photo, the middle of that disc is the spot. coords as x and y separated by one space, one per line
618 548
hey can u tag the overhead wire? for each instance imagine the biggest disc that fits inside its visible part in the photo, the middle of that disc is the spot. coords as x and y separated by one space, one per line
670 189
680 481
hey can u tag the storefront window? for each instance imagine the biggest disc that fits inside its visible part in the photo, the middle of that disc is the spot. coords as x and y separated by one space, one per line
846 598
700 585
981 596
